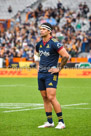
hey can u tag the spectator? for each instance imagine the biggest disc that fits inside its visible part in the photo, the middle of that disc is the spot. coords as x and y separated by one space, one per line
59 5
85 10
90 22
10 9
40 7
72 29
89 57
18 18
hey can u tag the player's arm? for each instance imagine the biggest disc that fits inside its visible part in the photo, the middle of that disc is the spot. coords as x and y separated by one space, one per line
65 56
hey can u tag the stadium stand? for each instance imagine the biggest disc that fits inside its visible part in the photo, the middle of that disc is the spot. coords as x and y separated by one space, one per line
17 5
72 27
72 4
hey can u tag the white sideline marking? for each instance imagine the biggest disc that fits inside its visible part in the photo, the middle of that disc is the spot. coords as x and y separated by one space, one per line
20 104
24 109
43 108
77 108
75 104
34 106
17 85
11 107
12 85
24 85
60 86
75 87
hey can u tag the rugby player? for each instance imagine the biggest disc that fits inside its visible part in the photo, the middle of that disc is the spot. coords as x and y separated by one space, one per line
49 50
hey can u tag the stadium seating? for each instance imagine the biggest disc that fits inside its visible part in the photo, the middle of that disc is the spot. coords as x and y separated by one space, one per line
72 4
17 5
20 5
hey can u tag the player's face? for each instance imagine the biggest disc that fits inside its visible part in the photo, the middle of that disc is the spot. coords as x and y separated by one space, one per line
44 32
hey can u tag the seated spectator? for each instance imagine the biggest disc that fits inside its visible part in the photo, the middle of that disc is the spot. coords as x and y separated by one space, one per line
89 57
59 4
90 21
85 9
40 7
10 9
72 29
84 45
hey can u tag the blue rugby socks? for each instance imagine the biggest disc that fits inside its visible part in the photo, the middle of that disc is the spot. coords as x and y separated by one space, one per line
49 117
60 118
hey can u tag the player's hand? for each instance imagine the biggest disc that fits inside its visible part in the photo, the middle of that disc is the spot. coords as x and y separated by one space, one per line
54 70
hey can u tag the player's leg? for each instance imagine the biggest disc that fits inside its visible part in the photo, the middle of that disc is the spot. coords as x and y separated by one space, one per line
48 110
47 106
47 103
51 94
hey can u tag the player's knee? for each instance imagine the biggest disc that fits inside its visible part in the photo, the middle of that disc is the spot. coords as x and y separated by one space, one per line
51 98
44 97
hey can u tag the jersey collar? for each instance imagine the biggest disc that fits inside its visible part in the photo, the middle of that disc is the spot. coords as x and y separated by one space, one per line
44 43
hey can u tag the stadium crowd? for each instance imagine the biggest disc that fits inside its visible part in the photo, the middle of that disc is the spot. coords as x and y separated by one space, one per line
71 28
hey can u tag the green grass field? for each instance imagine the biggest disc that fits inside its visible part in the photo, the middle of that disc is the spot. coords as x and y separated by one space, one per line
21 108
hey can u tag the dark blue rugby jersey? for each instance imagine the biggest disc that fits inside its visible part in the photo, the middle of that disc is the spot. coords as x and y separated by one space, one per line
48 54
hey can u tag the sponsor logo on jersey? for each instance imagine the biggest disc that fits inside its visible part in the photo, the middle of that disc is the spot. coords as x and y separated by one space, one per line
40 46
44 53
48 46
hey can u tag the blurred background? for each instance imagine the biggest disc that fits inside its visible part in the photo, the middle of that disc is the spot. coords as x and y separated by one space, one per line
19 22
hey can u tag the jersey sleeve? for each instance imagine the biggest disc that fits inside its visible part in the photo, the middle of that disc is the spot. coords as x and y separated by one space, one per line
58 46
